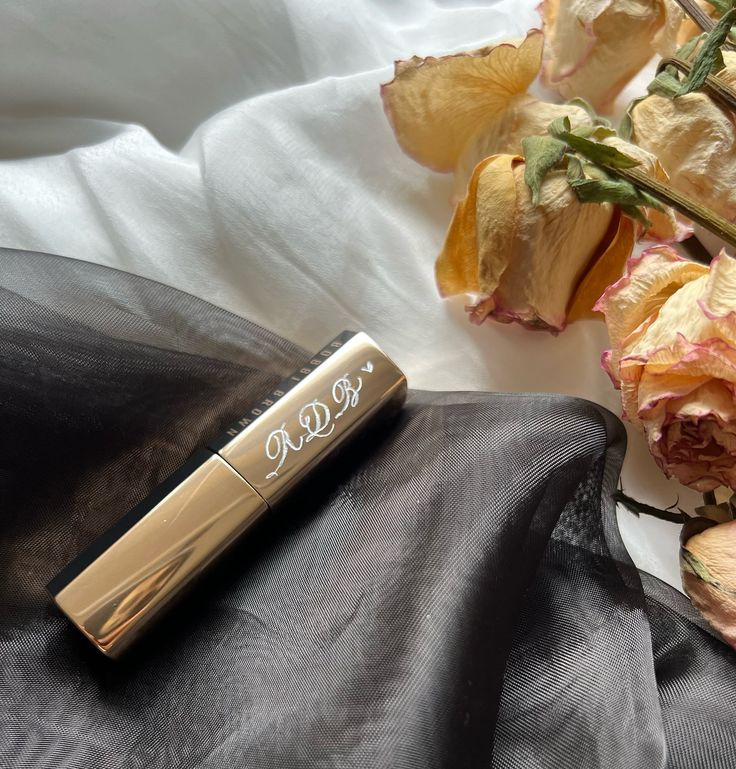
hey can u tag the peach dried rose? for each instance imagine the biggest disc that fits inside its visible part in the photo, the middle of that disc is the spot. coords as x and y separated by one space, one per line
708 567
672 326
695 140
539 266
595 47
450 112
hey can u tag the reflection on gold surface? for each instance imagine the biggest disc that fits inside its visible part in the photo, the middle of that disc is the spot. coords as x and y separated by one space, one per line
315 418
126 587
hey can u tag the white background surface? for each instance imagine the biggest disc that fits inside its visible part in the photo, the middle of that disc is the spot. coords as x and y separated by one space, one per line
237 149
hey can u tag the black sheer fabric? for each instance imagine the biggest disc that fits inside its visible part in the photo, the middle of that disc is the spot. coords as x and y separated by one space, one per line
453 593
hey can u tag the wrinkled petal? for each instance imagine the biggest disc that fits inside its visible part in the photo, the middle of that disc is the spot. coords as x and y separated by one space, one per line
650 279
606 268
437 105
526 262
666 227
459 265
595 47
555 243
695 141
719 300
708 564
523 117
673 363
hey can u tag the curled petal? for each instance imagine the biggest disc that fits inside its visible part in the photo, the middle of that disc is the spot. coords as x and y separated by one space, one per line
597 46
524 116
526 262
436 106
719 300
695 141
606 268
459 264
651 278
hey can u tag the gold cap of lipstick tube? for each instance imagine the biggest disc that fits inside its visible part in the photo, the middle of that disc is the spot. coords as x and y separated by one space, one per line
123 581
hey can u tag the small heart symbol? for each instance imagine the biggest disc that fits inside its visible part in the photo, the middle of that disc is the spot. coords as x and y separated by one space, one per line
368 368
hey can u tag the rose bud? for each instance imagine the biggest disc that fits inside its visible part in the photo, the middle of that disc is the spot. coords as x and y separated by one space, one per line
540 266
595 47
672 328
694 138
708 567
449 113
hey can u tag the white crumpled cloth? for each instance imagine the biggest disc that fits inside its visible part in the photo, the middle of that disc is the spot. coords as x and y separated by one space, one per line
237 149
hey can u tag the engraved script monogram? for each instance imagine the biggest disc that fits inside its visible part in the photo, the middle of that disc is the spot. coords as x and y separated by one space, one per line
316 419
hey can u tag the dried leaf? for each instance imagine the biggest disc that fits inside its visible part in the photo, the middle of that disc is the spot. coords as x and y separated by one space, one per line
709 55
617 191
667 83
541 155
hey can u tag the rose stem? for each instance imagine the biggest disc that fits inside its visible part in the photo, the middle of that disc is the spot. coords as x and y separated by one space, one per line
682 203
719 90
700 17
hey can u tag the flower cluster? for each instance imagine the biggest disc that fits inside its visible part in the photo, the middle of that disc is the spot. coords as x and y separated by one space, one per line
550 202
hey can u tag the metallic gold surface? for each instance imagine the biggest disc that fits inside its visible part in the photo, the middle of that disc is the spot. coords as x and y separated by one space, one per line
121 584
314 419
124 589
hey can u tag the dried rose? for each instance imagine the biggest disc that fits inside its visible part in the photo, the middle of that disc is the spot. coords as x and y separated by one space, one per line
708 566
595 47
449 113
695 140
672 326
541 266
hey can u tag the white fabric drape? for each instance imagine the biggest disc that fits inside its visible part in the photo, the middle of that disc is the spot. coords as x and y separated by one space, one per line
237 149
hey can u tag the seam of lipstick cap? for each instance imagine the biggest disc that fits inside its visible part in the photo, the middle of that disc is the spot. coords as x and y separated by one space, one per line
121 584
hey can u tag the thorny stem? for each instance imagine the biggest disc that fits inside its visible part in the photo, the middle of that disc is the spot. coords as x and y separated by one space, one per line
719 90
709 498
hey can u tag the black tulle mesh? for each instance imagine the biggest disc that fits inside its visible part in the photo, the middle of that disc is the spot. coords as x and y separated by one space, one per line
454 593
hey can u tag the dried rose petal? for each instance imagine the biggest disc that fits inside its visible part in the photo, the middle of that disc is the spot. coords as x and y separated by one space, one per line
449 113
695 140
528 263
673 355
595 47
708 566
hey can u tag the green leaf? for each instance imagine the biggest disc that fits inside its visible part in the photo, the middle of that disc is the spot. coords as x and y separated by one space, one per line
560 128
596 151
722 6
595 118
617 191
626 127
709 55
638 215
575 170
541 155
600 153
667 83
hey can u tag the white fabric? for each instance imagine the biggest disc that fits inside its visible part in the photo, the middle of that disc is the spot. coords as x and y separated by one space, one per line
237 149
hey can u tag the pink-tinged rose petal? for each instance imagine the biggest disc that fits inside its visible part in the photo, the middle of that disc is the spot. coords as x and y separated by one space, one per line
674 359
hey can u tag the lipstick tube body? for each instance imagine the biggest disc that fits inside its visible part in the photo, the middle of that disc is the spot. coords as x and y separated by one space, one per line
124 581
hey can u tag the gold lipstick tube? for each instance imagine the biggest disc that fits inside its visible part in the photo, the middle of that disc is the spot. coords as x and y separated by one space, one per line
117 587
